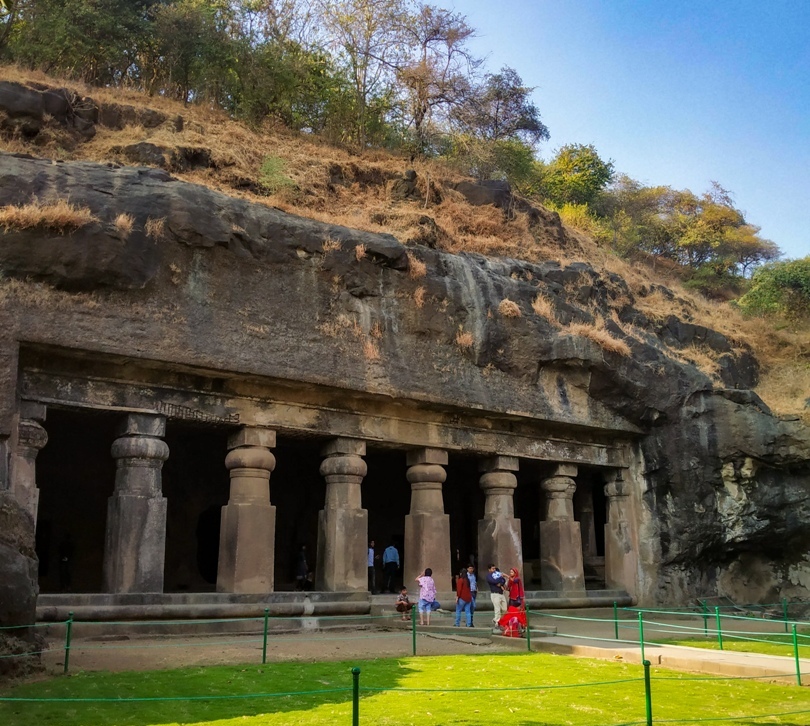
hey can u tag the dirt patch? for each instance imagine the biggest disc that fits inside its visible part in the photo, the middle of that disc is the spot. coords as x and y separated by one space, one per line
154 653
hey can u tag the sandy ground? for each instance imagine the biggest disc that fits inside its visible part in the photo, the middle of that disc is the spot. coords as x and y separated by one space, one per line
151 653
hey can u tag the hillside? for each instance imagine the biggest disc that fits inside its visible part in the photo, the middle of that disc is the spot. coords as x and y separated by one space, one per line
374 191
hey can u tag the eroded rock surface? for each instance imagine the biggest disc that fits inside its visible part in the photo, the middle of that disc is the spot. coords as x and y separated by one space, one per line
206 280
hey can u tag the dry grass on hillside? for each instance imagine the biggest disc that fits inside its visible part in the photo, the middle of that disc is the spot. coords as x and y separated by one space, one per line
347 187
59 216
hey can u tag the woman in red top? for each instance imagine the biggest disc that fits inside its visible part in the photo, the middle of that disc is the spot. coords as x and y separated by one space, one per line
515 585
463 598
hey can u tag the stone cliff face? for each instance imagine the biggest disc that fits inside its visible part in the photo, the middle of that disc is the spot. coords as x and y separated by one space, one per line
207 281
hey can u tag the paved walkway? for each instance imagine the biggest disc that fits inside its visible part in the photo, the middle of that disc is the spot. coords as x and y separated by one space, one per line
591 634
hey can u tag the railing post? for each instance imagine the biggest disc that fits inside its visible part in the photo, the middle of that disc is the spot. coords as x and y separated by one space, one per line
705 618
68 633
796 656
615 620
355 696
785 612
528 632
264 639
641 633
719 627
413 630
648 691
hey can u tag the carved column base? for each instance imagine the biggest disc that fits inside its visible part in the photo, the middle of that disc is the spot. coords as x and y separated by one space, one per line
427 544
342 549
561 567
247 548
499 543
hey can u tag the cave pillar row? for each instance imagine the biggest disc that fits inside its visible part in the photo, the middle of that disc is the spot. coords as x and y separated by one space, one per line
135 540
427 527
621 536
342 561
561 565
31 437
499 537
248 531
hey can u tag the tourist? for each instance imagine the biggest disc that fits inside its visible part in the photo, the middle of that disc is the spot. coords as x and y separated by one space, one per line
427 595
463 598
497 583
514 586
473 580
404 605
372 581
390 562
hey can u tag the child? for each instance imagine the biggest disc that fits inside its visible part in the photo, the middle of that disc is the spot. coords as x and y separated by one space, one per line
403 604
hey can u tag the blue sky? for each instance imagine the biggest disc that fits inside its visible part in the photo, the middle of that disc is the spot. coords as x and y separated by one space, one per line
677 93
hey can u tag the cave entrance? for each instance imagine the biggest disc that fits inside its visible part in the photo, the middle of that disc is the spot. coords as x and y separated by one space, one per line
590 510
298 492
464 502
75 476
530 501
196 487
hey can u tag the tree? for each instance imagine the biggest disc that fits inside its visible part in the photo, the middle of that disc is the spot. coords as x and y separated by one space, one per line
366 35
96 41
781 289
500 108
576 175
436 70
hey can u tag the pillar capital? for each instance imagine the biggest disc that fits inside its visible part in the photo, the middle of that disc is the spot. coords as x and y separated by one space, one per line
33 410
499 463
569 470
252 436
426 456
342 445
31 437
615 486
142 424
559 487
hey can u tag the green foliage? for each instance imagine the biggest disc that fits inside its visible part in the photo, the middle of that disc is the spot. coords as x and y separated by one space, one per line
509 159
781 289
92 40
271 175
576 175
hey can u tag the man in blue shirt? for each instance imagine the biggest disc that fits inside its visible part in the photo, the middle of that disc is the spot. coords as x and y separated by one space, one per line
390 567
473 590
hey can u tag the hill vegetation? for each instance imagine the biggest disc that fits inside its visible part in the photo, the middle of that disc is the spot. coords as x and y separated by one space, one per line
319 106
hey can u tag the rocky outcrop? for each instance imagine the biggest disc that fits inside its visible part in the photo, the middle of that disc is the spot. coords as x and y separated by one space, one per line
18 588
208 281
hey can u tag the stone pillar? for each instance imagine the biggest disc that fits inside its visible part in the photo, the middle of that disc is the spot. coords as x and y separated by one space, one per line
135 543
499 532
621 539
247 536
561 566
342 563
31 437
583 506
427 527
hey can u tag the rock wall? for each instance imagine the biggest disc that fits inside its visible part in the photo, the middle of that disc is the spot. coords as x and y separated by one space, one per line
207 281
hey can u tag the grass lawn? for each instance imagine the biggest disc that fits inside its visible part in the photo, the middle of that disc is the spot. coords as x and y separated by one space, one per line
572 691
